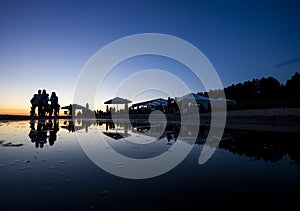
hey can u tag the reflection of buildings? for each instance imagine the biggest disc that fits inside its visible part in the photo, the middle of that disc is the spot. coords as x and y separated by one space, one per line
79 111
262 146
114 131
43 131
77 125
172 131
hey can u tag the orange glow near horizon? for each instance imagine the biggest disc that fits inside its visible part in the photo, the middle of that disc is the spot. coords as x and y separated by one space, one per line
14 111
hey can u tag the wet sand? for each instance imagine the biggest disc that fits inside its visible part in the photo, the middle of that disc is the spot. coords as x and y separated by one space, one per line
273 120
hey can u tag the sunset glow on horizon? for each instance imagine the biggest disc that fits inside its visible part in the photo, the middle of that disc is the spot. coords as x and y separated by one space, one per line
46 45
9 111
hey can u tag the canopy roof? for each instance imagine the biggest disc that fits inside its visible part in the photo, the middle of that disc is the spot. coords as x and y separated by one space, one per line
192 96
117 100
154 102
75 106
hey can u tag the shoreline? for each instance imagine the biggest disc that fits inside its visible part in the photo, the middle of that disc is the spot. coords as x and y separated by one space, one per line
272 120
12 117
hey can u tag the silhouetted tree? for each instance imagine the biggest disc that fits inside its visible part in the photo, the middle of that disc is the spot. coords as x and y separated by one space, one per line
292 88
269 88
262 93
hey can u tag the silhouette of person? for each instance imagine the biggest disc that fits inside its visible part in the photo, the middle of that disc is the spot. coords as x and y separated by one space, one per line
40 102
168 105
45 99
70 110
34 103
169 136
54 108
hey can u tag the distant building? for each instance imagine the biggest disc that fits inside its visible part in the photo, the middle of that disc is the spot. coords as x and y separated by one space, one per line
148 106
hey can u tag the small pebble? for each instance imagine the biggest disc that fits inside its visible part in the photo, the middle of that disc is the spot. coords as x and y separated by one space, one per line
104 192
49 189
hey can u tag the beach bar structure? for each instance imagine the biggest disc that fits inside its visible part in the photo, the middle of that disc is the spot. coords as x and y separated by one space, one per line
119 100
150 105
76 110
202 102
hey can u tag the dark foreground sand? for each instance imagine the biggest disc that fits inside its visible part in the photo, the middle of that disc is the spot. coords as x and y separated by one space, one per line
275 120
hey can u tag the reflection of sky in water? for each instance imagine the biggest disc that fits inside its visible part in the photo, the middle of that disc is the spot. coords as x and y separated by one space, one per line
61 175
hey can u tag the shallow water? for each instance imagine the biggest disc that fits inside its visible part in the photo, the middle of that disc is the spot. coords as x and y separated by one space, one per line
43 166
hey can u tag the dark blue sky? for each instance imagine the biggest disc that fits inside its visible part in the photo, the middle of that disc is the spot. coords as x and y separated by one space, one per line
45 44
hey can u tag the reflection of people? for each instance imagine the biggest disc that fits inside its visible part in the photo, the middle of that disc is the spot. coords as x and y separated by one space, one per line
54 128
39 135
169 136
109 125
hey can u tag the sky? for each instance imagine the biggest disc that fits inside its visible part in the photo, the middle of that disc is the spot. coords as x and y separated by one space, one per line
46 44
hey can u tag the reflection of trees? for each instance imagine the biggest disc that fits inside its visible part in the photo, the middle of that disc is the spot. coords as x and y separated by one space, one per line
258 145
266 146
43 130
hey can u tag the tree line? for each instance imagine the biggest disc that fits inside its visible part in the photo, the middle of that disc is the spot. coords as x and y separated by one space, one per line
262 93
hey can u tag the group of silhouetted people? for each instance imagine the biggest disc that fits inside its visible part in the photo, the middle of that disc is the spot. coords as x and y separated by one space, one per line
41 102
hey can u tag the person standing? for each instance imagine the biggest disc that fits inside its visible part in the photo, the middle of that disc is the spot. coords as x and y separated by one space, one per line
45 99
34 103
54 104
40 102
